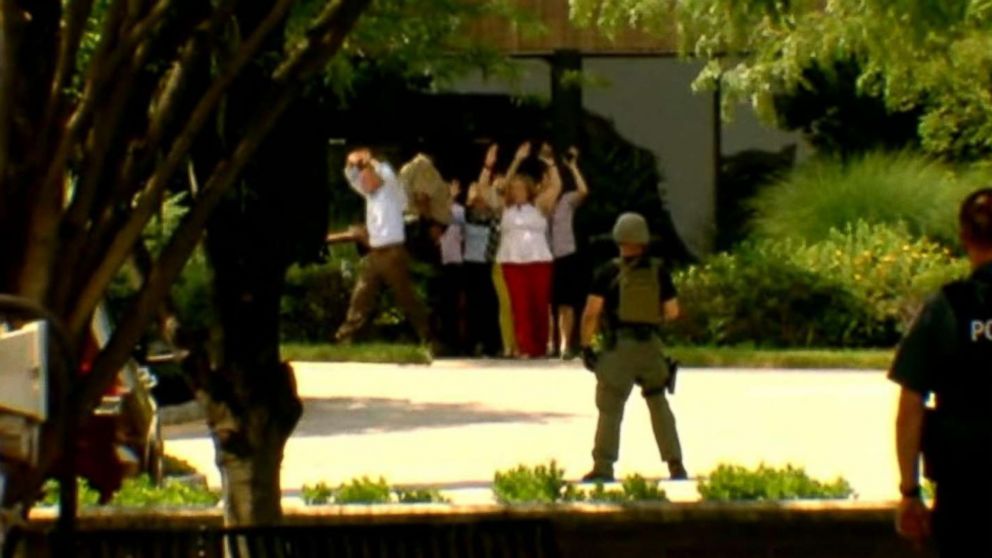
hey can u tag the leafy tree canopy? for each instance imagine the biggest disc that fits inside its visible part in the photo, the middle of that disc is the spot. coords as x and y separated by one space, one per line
935 55
425 42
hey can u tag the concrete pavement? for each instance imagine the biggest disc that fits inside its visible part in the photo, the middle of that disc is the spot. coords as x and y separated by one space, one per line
454 423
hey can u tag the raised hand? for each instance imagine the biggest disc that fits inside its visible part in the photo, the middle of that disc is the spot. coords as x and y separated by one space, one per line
547 153
359 157
491 154
523 151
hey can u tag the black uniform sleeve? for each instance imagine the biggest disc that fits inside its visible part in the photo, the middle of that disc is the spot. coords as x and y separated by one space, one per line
603 279
925 348
668 291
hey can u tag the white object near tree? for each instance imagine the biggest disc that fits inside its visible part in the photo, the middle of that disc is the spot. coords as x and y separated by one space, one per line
24 371
23 390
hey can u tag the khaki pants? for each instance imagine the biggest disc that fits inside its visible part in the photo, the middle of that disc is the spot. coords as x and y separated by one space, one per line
389 266
632 361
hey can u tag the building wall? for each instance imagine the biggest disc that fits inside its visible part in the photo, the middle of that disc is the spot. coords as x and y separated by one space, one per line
559 32
651 103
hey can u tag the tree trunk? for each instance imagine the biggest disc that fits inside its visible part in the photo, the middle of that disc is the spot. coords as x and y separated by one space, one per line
252 401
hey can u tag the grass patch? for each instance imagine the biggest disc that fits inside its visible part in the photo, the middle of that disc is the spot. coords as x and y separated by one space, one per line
689 356
749 357
374 353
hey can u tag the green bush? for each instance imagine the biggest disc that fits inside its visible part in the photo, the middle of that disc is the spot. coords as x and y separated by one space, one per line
363 491
420 496
86 495
368 491
858 287
633 488
879 188
141 492
523 484
190 292
316 297
734 482
546 484
318 494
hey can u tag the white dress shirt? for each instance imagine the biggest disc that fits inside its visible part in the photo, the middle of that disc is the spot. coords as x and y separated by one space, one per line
524 236
383 208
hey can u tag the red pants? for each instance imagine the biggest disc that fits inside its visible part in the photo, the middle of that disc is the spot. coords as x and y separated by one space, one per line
530 298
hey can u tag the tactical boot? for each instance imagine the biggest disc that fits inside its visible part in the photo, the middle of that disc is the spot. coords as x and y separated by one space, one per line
676 471
596 476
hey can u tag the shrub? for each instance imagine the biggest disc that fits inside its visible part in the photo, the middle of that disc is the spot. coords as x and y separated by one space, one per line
367 491
318 494
420 496
141 492
546 484
523 484
879 188
363 491
734 482
633 488
86 495
858 287
316 298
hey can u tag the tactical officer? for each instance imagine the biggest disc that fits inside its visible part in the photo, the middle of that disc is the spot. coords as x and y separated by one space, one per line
948 352
631 296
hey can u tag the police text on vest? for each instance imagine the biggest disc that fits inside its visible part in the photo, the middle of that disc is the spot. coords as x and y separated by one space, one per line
979 329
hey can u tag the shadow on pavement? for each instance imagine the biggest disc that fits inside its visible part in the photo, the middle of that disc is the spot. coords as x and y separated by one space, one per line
368 415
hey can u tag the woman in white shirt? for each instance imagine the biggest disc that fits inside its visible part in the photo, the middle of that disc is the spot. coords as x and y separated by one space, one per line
524 251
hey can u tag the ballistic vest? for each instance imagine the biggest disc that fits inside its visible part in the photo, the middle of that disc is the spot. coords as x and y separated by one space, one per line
640 293
965 386
958 434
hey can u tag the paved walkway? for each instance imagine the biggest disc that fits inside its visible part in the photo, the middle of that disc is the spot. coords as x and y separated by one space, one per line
455 423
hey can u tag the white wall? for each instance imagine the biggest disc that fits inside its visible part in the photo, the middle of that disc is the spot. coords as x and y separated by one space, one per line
651 104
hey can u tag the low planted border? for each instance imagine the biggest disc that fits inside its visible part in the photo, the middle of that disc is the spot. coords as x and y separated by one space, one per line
690 356
660 512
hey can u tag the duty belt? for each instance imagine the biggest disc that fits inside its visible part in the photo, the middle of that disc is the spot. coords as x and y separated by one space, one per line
638 332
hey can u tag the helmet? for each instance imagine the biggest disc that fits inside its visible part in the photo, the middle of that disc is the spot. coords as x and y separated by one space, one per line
631 228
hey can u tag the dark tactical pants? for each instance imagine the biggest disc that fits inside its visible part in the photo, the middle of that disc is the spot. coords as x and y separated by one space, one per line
632 361
962 518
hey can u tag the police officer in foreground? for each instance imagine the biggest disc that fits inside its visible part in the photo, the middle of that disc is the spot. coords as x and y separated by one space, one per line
948 352
631 296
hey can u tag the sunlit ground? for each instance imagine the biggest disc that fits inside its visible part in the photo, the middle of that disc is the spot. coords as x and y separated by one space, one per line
454 423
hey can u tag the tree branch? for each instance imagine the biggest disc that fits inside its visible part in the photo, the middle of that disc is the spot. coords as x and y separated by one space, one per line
149 198
10 17
336 21
34 67
107 64
46 201
72 35
138 155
